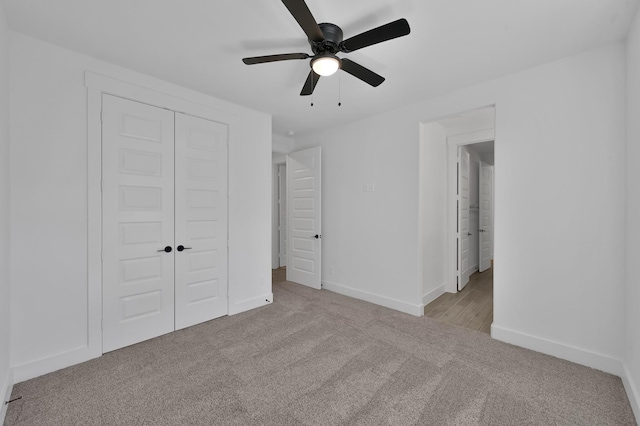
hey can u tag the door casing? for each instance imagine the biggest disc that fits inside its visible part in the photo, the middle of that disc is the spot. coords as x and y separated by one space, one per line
282 215
485 228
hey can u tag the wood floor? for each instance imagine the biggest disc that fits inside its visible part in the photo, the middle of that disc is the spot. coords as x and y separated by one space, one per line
470 308
279 275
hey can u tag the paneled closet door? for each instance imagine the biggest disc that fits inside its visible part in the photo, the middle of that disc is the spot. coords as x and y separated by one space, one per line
200 220
138 222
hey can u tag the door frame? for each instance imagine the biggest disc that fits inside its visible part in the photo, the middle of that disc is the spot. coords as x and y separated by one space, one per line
158 94
453 142
279 160
282 215
490 236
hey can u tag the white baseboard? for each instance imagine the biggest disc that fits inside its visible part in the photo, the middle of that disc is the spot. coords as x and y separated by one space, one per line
559 350
31 369
433 294
632 391
49 364
387 302
5 395
248 304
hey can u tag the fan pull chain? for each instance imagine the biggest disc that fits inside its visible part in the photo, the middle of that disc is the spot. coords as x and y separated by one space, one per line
312 91
339 90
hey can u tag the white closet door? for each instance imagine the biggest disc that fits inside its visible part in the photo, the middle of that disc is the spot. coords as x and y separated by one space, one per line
201 220
138 218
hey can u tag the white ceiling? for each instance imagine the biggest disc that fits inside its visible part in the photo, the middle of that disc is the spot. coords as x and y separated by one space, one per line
200 43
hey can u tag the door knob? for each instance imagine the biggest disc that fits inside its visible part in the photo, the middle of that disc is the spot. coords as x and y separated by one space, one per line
167 249
316 236
181 247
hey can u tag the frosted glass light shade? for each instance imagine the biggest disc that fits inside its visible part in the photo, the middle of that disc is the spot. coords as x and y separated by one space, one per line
325 65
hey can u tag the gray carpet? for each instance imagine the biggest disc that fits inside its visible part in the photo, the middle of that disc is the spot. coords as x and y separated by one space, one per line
319 358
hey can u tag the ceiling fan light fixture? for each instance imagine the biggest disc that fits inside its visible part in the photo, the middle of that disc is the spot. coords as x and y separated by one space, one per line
325 65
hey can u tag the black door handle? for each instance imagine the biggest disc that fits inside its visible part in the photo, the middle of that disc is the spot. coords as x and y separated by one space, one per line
316 236
167 249
181 247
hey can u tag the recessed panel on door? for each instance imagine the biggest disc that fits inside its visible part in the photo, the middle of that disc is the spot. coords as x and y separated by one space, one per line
137 162
201 217
134 233
137 199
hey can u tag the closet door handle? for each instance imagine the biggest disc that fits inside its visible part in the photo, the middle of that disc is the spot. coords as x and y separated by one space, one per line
181 247
167 249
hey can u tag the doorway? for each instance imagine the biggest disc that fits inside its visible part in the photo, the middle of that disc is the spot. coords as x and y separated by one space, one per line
464 246
297 224
471 306
474 209
279 218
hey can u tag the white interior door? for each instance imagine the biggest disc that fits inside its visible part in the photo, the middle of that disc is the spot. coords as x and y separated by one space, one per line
282 213
463 218
304 231
138 220
485 227
200 220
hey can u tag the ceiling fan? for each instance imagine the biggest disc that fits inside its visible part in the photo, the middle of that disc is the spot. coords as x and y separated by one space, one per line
326 41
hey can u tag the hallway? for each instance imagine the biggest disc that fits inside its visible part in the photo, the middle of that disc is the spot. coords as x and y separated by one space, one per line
470 308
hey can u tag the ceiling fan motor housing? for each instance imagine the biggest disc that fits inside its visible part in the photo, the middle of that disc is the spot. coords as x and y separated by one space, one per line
332 39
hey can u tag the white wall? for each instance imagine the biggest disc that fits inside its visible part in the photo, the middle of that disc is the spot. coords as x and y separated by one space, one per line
632 295
559 208
560 145
5 372
487 158
432 214
370 240
49 202
282 144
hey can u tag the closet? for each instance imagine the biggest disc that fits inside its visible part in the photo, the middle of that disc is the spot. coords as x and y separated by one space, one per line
164 221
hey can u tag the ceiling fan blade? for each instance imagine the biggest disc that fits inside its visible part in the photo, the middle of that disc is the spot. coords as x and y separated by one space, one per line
310 84
274 58
385 32
302 14
362 73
